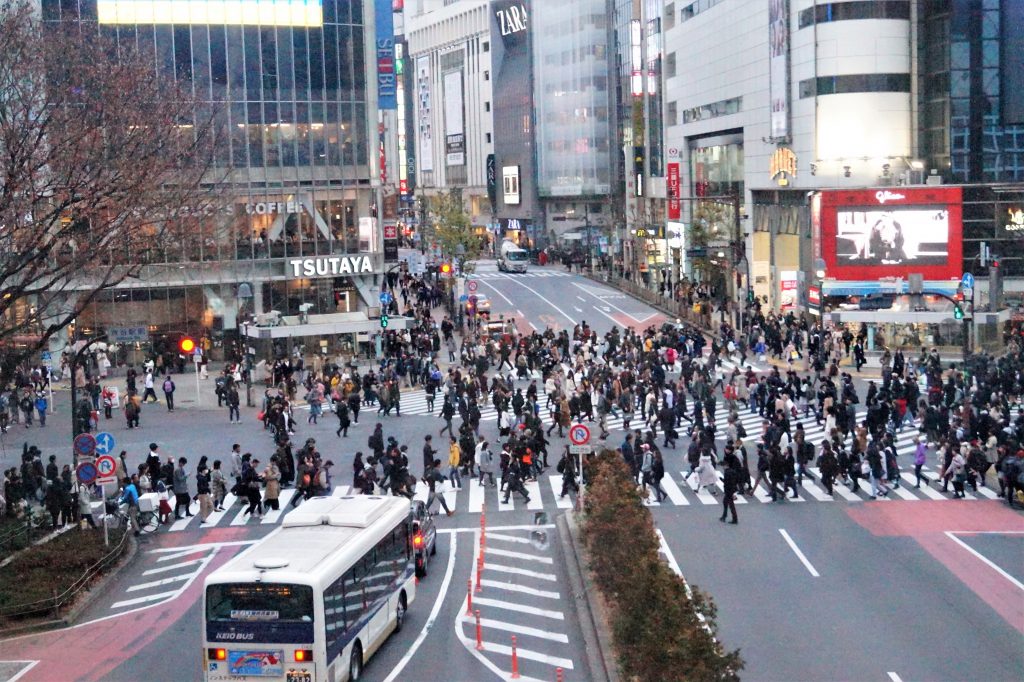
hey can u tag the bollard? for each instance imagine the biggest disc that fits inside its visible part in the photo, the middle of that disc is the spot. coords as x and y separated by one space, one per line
479 570
479 633
515 660
559 675
469 597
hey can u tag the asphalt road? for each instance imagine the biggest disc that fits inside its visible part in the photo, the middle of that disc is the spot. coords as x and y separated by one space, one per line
898 592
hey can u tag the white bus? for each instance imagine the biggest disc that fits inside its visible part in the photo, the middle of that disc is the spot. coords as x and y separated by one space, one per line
314 599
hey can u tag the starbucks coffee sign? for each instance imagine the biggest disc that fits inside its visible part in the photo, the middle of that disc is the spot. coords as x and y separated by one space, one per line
329 266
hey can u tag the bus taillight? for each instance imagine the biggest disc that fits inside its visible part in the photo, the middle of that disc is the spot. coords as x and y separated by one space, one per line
217 654
417 540
303 655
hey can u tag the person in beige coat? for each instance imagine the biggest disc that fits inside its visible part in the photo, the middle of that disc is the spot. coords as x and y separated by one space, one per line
272 478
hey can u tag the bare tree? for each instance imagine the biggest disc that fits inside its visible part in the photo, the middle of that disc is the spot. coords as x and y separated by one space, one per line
98 153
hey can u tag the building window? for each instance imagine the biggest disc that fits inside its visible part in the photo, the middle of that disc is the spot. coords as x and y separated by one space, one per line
861 9
670 65
670 15
864 82
487 46
694 8
714 110
487 75
672 114
487 106
487 138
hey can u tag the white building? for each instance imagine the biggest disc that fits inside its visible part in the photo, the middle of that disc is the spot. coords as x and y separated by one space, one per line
449 55
772 99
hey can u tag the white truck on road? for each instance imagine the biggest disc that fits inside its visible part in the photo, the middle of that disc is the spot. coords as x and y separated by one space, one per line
511 258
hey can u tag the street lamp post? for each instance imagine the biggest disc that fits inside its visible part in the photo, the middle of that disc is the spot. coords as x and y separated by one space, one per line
819 274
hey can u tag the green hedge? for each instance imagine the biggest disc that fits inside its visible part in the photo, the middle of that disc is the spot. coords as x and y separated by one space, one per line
656 630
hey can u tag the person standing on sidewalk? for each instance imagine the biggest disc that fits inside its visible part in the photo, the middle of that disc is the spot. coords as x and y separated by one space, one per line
169 392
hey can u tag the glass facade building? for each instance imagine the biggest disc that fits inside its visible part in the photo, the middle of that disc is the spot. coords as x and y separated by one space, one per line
289 92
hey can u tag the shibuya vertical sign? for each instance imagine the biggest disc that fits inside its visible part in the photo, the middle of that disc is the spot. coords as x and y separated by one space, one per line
778 66
387 82
672 190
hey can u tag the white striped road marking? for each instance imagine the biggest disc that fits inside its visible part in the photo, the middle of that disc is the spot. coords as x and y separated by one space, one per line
512 587
241 518
675 495
761 494
491 551
533 490
172 567
521 608
143 600
838 487
516 628
182 524
528 654
893 677
799 554
183 553
508 538
215 518
984 491
926 489
663 549
814 491
476 496
158 583
506 506
556 491
500 568
283 499
903 493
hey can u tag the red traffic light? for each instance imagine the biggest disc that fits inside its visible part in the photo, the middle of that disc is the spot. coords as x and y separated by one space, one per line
187 344
446 268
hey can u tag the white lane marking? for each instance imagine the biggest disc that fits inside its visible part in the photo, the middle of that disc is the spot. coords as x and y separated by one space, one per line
508 538
181 524
523 589
816 492
894 677
663 549
195 549
495 290
143 600
533 490
512 606
529 655
520 313
520 555
541 297
638 319
761 494
582 299
799 554
282 502
476 496
838 487
517 629
23 671
984 491
500 568
241 518
534 326
172 567
192 549
432 618
556 490
984 559
158 583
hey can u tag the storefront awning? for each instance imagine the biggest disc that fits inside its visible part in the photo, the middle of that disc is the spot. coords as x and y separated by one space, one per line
322 325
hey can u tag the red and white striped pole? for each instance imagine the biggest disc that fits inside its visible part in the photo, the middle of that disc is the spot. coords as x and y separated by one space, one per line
469 597
515 660
479 633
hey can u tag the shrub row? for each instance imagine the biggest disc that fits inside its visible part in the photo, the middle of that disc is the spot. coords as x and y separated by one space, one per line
660 630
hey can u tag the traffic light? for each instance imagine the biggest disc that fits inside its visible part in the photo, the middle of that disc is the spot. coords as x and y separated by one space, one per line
383 321
446 269
958 312
750 296
187 345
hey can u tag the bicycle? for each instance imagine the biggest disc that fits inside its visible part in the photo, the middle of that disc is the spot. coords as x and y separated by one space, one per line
149 521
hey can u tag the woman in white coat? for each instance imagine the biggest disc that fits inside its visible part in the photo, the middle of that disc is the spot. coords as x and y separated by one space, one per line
707 476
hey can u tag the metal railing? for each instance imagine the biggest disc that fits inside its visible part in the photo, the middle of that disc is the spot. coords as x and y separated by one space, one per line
53 605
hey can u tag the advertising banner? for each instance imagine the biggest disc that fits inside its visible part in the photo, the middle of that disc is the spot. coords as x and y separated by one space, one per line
672 189
778 66
893 232
424 127
454 130
492 181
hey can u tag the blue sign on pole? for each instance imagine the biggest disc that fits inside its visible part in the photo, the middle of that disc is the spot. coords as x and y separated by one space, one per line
967 279
104 443
84 444
386 298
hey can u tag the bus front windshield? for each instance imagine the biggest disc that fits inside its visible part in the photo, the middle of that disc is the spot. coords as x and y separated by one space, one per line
259 602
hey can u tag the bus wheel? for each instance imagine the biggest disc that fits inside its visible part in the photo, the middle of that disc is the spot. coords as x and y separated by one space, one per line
355 664
400 613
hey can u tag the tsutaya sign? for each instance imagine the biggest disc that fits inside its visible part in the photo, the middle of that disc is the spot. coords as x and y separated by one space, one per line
329 266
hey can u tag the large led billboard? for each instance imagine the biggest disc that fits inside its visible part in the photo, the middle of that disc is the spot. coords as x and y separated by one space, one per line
307 13
892 232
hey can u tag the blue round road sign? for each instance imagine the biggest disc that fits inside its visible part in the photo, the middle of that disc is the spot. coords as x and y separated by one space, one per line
85 444
104 443
86 473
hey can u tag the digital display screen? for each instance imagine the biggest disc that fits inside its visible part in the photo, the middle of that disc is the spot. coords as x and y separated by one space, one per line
308 13
903 236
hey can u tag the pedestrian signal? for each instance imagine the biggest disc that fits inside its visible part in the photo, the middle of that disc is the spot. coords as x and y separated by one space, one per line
187 345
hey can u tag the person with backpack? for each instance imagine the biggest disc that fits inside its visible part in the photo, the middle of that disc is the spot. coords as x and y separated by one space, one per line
168 387
344 421
567 467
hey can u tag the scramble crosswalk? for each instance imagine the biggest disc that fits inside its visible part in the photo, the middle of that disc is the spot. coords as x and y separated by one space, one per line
534 274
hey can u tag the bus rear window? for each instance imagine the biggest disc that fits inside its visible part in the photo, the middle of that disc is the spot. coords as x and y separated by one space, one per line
259 602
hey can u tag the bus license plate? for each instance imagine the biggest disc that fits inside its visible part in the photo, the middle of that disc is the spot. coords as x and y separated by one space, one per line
268 663
299 676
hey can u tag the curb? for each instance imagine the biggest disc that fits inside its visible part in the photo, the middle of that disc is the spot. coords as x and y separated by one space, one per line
593 619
